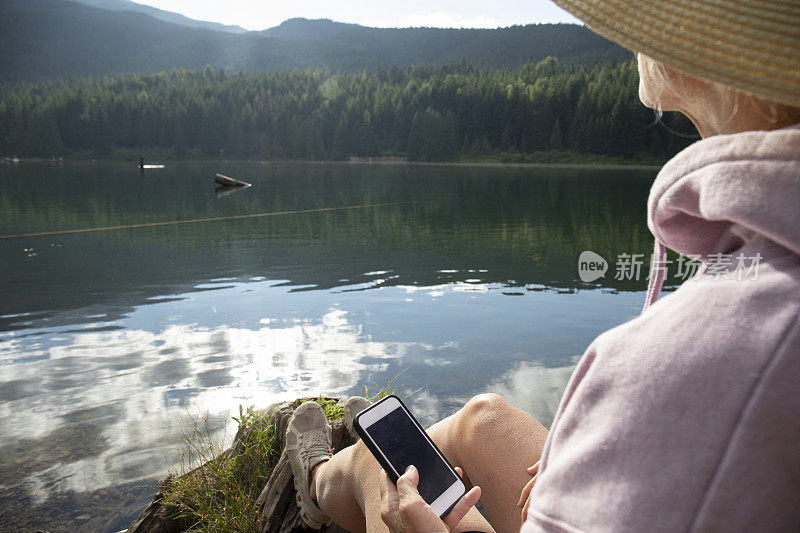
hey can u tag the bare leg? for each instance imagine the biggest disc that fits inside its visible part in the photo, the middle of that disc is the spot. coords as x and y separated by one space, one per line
492 441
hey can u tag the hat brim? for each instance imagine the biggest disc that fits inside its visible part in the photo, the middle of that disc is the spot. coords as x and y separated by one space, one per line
751 46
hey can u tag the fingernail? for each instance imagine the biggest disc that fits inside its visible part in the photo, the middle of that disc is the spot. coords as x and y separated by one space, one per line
408 469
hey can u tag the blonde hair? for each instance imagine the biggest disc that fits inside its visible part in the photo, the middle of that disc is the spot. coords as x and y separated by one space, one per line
659 83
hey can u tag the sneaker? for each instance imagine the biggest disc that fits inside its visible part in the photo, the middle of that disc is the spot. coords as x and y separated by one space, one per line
308 443
353 406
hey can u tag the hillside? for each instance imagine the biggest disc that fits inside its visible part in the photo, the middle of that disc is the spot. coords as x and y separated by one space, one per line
47 39
160 14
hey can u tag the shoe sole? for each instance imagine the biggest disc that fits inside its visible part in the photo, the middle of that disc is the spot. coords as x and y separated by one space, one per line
303 513
304 516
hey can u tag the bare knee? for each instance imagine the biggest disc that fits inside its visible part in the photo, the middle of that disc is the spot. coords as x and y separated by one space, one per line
482 413
488 403
464 435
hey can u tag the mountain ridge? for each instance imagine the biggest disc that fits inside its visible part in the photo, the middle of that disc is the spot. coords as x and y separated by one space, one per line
160 14
49 39
303 28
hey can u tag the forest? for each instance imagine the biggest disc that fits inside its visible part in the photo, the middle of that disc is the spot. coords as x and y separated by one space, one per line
430 113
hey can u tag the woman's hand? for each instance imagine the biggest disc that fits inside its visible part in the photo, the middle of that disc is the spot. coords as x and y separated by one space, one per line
404 510
525 497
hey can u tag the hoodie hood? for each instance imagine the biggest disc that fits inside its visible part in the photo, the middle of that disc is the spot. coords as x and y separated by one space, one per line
724 190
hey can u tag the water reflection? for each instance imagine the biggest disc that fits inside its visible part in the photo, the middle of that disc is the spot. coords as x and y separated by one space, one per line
103 405
527 225
534 388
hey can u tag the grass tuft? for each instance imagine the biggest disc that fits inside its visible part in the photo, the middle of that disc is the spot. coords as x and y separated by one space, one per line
210 490
390 388
331 407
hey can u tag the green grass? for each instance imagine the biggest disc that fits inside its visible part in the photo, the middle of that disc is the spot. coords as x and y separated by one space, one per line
390 388
209 491
331 407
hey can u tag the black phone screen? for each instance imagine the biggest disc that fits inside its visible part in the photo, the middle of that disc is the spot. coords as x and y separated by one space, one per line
402 443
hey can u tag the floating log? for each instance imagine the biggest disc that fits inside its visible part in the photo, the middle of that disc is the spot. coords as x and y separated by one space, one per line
230 182
275 510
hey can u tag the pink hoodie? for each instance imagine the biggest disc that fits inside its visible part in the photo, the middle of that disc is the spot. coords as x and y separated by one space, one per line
687 418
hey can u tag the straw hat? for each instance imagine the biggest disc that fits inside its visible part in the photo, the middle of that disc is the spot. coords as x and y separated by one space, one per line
752 45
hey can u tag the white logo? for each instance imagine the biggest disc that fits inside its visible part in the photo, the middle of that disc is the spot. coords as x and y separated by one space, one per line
591 266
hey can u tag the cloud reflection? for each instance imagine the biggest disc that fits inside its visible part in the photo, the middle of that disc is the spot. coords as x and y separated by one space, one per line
127 390
534 388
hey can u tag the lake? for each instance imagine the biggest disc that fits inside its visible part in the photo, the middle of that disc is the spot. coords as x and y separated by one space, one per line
451 280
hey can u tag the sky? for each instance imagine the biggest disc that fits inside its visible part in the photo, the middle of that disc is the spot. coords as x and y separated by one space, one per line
262 14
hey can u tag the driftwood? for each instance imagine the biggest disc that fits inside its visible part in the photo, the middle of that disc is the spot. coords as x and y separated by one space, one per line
230 182
276 510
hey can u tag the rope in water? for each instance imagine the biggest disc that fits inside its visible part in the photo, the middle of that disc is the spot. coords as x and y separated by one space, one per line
195 220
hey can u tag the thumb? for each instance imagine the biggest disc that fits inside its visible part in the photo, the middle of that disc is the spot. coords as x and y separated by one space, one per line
407 483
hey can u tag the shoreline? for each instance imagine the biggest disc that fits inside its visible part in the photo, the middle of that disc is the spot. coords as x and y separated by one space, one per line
455 163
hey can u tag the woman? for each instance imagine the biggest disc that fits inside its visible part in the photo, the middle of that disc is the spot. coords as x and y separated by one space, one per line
687 417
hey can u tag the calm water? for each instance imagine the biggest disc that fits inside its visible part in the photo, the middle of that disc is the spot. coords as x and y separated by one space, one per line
464 279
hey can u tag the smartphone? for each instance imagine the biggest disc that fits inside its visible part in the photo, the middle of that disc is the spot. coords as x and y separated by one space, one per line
397 440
